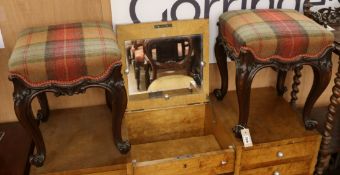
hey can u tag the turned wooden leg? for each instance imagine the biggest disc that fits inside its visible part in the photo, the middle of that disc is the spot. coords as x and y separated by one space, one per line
295 85
44 111
23 110
244 78
322 75
119 103
280 84
221 58
324 154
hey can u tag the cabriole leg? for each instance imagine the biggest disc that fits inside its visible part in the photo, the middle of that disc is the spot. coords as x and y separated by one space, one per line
322 74
23 110
280 84
244 79
223 68
44 112
119 104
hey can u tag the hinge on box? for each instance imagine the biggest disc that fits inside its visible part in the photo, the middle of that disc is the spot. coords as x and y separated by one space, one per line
186 156
137 110
191 104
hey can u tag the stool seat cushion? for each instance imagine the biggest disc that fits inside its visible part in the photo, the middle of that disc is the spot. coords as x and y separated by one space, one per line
282 34
64 54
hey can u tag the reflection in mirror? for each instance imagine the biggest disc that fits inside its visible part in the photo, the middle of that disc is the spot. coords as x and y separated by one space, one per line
164 64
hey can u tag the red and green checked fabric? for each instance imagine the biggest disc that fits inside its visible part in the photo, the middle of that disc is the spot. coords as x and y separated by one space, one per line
64 54
285 35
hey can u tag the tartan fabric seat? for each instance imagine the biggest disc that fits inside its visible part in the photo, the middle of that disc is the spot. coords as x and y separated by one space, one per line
285 35
64 54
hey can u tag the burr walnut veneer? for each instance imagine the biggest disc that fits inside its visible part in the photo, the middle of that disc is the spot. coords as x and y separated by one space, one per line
185 140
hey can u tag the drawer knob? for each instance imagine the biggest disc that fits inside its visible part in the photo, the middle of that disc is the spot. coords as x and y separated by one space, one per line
166 96
280 154
276 173
224 162
127 71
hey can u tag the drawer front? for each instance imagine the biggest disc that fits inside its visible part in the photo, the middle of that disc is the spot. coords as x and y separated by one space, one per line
300 168
277 154
209 163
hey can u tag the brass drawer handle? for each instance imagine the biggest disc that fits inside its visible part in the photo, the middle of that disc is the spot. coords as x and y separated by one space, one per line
224 162
280 154
276 173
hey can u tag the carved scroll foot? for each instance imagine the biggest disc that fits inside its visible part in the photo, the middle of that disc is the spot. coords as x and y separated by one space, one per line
123 147
37 160
221 58
311 124
237 131
218 94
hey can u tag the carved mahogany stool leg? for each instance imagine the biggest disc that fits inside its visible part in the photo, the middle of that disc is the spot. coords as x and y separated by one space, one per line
322 74
244 78
44 112
108 99
295 85
324 155
119 103
280 84
22 104
221 58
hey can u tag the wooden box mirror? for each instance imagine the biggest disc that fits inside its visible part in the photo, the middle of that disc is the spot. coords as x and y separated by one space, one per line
165 63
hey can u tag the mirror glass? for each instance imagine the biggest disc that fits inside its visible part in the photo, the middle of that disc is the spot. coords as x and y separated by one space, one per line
165 64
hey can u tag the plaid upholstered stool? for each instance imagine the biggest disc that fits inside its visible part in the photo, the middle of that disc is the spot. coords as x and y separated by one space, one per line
66 60
282 39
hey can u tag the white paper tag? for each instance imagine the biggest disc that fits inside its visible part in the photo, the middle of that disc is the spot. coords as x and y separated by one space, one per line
2 45
330 28
246 138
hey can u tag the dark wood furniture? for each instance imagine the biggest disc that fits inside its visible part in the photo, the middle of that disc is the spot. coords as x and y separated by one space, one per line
328 146
75 81
167 55
24 94
15 148
247 65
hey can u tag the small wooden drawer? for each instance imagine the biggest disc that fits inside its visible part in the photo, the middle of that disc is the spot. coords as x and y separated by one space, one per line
277 154
217 162
301 167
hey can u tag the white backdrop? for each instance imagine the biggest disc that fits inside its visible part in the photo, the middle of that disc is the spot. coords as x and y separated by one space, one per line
134 11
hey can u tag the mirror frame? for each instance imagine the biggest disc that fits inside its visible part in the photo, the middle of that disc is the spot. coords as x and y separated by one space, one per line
166 29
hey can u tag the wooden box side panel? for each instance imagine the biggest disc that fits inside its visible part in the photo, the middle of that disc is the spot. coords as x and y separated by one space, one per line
165 124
